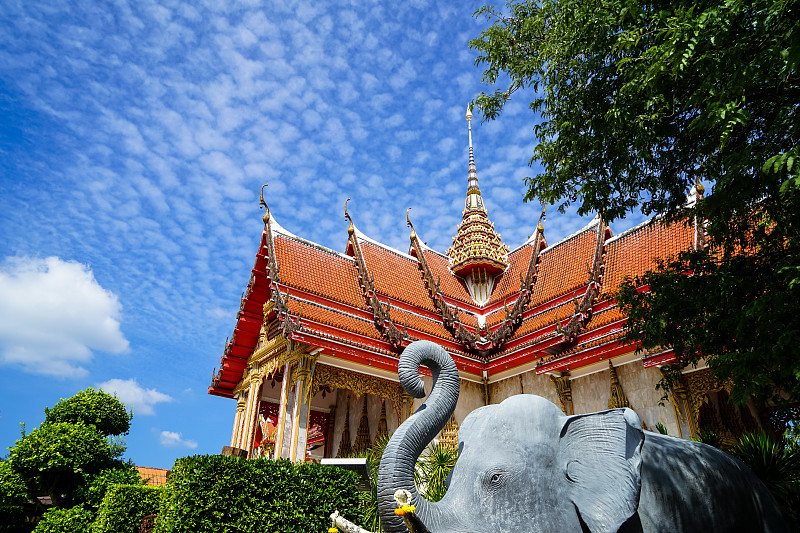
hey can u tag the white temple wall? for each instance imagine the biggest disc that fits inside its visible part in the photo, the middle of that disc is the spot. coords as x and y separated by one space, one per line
470 397
639 384
500 390
591 393
540 385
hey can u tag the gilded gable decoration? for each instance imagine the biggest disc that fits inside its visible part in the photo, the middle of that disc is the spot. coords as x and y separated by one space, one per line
450 433
362 435
345 448
564 391
617 396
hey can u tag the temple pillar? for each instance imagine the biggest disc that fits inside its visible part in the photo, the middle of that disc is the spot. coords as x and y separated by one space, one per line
304 376
251 418
282 435
237 422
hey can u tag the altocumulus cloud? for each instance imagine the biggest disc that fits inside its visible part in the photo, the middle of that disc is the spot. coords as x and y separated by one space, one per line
53 314
172 439
135 396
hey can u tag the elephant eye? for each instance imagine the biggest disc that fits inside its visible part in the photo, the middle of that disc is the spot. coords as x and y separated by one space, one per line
495 479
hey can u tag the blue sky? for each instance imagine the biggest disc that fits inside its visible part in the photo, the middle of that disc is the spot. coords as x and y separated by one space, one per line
134 137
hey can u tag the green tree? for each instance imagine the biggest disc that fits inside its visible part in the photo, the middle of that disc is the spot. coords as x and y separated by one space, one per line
13 496
56 458
73 456
638 101
95 408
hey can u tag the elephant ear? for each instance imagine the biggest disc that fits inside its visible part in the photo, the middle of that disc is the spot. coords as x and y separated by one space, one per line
601 457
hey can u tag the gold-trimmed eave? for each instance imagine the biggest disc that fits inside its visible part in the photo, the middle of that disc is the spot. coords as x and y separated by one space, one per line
450 320
261 288
513 318
382 316
583 307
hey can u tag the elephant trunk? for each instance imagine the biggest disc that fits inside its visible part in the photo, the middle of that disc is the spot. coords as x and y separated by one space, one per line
409 441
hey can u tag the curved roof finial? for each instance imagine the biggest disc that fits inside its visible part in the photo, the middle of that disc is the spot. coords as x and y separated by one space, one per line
410 225
351 229
540 227
263 204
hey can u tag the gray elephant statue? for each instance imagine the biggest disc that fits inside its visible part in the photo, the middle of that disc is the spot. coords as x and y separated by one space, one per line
523 466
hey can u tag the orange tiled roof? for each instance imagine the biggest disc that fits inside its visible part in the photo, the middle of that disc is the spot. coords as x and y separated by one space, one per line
334 318
317 270
451 286
565 266
153 476
634 252
396 275
545 318
422 324
508 282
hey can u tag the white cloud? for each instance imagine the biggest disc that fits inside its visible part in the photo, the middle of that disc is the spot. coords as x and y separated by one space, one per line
54 314
135 396
172 439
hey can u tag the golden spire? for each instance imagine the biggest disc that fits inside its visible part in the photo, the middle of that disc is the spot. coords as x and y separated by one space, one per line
472 175
476 246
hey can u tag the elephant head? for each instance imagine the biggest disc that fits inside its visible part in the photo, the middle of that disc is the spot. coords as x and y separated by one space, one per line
523 465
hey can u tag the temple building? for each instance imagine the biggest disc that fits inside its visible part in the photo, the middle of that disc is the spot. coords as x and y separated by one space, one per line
312 361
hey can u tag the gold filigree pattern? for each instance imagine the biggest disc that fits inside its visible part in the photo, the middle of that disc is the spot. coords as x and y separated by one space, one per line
564 390
450 433
344 443
360 384
383 428
362 435
698 384
617 396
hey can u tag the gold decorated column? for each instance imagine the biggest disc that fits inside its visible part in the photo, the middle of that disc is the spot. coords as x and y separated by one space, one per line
303 392
253 404
282 435
237 422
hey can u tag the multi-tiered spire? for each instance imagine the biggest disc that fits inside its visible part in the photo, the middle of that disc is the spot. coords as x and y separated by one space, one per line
478 254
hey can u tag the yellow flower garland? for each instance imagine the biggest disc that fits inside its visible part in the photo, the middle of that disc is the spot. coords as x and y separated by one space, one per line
405 509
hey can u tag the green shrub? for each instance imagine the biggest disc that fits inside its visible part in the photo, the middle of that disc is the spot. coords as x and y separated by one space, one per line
776 462
124 506
94 490
73 520
217 494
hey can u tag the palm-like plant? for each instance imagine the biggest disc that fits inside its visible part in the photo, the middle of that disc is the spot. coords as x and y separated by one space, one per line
432 470
776 462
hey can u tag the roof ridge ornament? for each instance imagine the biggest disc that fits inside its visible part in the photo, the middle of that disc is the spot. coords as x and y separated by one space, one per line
351 229
410 225
263 204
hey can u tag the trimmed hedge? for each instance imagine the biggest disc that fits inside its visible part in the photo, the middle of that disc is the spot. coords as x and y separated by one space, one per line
73 520
124 506
218 494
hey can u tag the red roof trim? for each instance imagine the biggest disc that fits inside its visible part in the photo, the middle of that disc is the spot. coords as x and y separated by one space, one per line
587 357
659 359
